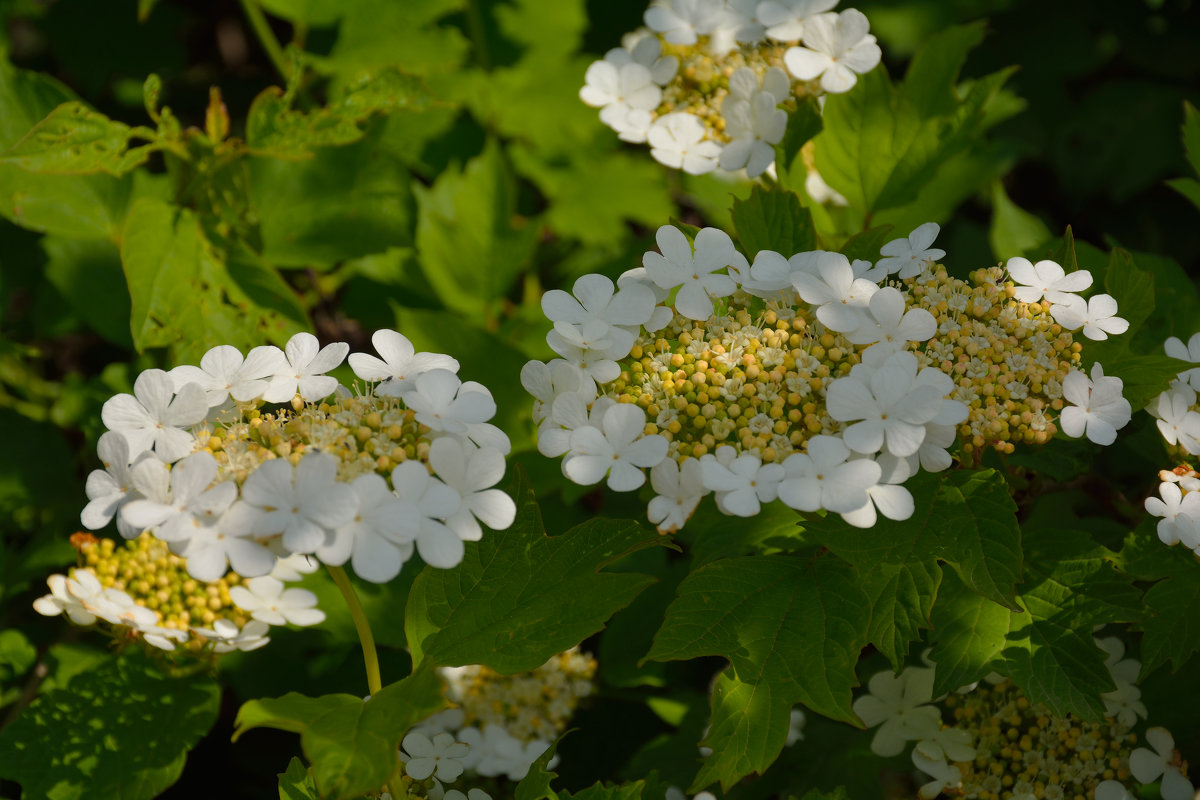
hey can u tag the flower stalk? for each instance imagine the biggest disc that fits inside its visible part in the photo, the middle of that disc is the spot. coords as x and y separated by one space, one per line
361 625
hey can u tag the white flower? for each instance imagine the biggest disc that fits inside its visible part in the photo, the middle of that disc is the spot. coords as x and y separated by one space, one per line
547 381
841 298
893 406
440 756
399 365
495 752
445 403
837 50
891 499
1148 766
823 478
110 488
897 704
569 412
379 538
153 416
1177 422
194 501
679 140
631 124
267 601
470 470
1097 316
947 743
1097 409
946 777
1173 506
646 51
301 503
681 21
822 192
785 18
1045 279
694 273
889 328
70 595
795 732
304 373
619 450
909 256
226 636
629 85
1175 348
1124 702
742 484
162 638
753 120
434 501
210 550
1113 790
618 312
679 489
224 372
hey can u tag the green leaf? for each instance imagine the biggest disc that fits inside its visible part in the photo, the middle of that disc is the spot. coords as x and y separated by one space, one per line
350 743
379 33
120 729
1171 628
1191 135
1188 187
297 783
1013 231
1064 255
76 140
17 655
520 596
315 13
803 124
470 243
182 293
1132 288
773 219
930 80
865 244
536 783
792 629
87 273
1070 586
965 519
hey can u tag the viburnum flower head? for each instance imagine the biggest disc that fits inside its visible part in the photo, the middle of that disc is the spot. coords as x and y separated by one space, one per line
837 49
1097 408
1045 279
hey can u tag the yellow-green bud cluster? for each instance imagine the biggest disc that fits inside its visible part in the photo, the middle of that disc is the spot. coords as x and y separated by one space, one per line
753 378
528 705
1022 749
701 83
366 433
157 579
1008 358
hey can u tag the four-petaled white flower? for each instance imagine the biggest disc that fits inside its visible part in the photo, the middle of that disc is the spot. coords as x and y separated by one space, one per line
470 471
823 478
898 705
945 776
1096 315
785 18
442 401
379 538
225 373
889 327
110 488
1179 514
625 95
1097 409
841 298
433 502
619 449
680 140
1045 279
154 416
267 601
440 756
679 489
617 314
1177 422
682 21
399 365
646 51
892 407
304 370
907 257
837 49
1162 763
547 381
210 550
753 120
695 273
189 499
226 637
741 484
1175 348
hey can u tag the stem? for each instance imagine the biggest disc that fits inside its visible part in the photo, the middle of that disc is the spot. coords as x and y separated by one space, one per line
262 29
370 657
477 30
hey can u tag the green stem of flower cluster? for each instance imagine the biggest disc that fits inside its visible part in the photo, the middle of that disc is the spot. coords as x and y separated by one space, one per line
370 657
266 37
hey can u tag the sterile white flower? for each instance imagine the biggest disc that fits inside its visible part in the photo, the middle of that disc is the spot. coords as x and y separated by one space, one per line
154 416
379 538
442 401
946 777
110 488
268 601
743 484
823 478
597 301
679 140
1173 505
1162 763
620 91
898 705
1113 790
907 257
785 18
470 471
1045 279
1097 409
434 501
695 273
683 21
619 450
226 637
195 502
646 51
892 408
162 638
304 372
1177 422
224 372
837 49
210 550
71 595
1175 348
889 327
399 365
753 120
841 298
1096 315
679 488
440 756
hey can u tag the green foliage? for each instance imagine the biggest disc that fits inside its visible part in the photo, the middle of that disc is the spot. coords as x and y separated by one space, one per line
792 630
350 743
297 783
522 596
121 729
74 139
773 219
1014 230
1190 187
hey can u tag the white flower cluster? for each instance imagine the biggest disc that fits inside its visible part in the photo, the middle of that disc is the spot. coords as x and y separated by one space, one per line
433 758
488 751
965 741
788 378
193 457
709 84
